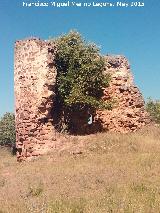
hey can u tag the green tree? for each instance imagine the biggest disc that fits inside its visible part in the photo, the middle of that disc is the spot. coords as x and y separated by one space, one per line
7 129
80 78
153 107
80 67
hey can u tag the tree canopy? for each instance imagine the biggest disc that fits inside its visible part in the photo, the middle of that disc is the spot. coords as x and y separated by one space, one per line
7 129
80 67
153 107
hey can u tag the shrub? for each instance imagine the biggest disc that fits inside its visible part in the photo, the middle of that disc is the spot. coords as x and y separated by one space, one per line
7 130
153 107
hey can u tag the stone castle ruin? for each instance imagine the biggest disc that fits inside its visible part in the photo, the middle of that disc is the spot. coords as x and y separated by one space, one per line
35 99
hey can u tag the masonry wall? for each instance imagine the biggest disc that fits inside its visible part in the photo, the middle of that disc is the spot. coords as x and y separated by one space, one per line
35 77
128 113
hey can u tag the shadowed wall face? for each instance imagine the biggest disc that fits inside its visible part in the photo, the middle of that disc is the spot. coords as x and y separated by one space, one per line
35 78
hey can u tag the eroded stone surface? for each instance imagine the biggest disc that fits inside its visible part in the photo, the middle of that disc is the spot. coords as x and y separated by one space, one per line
128 113
35 77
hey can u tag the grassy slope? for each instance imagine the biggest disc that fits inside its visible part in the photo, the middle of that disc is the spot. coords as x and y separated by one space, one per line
107 173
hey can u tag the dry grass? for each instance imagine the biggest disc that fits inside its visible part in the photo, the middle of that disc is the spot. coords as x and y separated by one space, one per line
106 173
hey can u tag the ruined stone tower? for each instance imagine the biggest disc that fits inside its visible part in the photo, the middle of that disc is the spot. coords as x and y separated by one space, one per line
35 79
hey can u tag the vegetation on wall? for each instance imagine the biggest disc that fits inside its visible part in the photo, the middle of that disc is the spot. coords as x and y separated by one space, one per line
80 81
80 72
153 107
7 130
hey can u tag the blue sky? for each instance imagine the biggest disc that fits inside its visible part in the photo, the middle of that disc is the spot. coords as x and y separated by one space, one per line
133 32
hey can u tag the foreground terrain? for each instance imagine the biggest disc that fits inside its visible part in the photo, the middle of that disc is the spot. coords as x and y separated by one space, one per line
106 173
